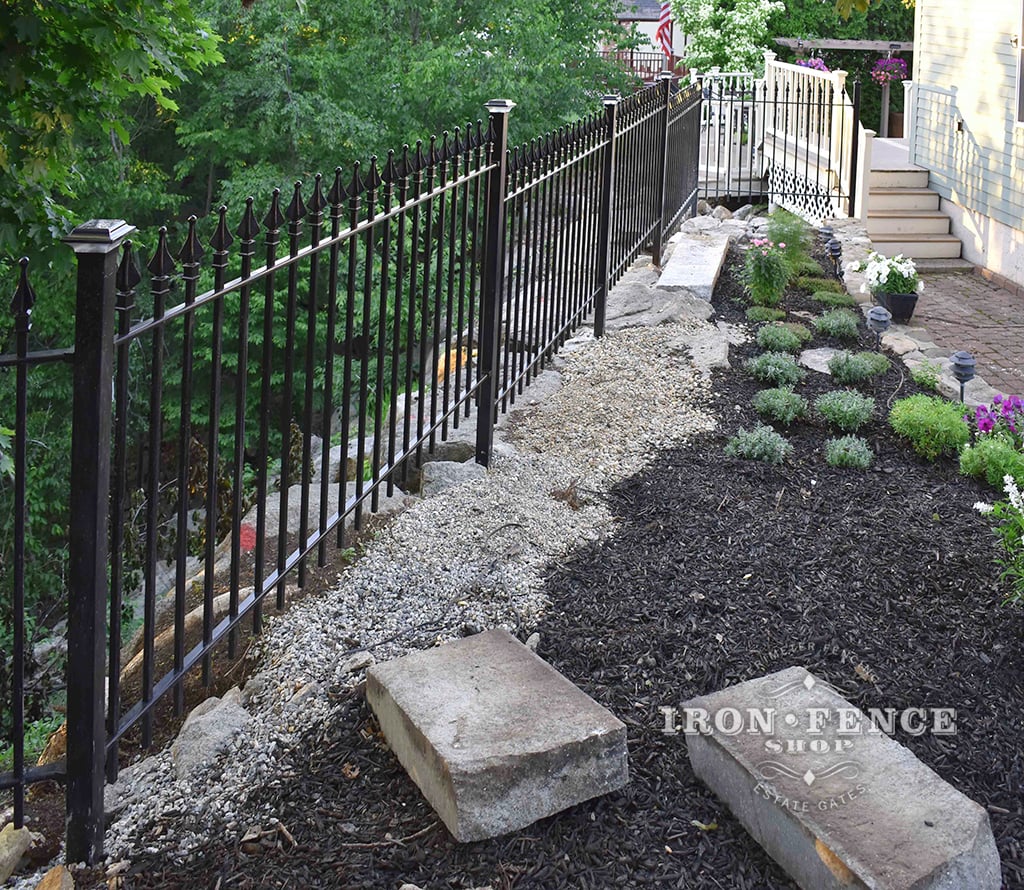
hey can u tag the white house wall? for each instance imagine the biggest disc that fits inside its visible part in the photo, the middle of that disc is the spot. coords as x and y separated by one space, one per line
965 75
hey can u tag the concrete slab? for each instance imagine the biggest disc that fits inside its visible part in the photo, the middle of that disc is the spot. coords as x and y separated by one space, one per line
834 801
494 737
695 264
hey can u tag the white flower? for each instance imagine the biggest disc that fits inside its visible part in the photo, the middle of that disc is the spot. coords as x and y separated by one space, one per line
1013 493
983 508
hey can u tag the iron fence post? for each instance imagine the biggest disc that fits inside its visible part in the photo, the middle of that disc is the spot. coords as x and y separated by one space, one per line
665 83
493 280
604 223
96 245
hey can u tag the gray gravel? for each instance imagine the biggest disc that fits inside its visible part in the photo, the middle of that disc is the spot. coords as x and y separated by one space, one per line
468 558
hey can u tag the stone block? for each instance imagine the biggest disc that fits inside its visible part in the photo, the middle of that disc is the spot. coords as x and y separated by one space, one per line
494 737
833 800
695 265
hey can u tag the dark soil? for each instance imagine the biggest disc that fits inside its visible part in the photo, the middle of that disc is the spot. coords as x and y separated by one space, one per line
882 582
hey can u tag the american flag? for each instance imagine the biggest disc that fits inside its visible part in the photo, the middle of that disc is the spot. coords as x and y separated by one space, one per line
664 32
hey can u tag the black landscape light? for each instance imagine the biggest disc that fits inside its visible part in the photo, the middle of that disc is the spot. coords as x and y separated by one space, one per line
879 321
826 233
835 250
963 368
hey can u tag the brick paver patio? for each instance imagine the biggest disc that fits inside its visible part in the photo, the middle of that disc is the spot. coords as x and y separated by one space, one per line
964 311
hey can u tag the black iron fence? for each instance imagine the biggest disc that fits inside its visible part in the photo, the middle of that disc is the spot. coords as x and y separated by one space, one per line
249 399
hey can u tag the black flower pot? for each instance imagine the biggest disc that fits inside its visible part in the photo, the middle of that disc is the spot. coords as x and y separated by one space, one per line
900 305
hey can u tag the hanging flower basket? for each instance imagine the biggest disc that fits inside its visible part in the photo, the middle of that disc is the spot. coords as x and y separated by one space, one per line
889 71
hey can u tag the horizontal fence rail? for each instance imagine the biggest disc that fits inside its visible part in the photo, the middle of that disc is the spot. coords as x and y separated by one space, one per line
243 399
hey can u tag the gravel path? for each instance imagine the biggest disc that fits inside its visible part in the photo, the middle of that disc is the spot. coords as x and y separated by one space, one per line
472 557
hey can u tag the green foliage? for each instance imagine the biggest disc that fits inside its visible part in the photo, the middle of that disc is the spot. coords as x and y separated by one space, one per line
776 368
780 404
761 443
730 34
848 451
37 733
845 409
70 72
926 375
813 284
851 368
931 424
1009 515
840 324
807 266
765 313
834 298
992 458
785 228
783 337
765 272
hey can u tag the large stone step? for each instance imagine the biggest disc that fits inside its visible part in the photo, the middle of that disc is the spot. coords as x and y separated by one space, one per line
907 222
917 246
494 737
902 199
837 803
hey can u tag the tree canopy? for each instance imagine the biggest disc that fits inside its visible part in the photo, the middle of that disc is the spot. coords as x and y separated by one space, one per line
69 70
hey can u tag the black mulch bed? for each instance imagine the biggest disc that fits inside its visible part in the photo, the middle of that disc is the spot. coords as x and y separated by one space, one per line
882 582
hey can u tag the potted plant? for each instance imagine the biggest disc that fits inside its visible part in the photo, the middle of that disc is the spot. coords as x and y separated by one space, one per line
892 281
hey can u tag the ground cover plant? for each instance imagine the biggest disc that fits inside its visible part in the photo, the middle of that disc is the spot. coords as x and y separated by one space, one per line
833 299
783 337
845 409
775 367
848 451
881 582
857 368
998 447
780 404
932 425
764 313
760 443
840 324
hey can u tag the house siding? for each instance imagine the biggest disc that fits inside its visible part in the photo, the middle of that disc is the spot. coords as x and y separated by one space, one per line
965 69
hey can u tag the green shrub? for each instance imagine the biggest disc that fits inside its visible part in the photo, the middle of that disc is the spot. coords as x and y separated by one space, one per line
834 298
761 443
840 324
856 367
926 375
780 404
845 409
776 368
787 228
931 424
765 313
992 458
815 284
807 266
765 272
783 337
848 451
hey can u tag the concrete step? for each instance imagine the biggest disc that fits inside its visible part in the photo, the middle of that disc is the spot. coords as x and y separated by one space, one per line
902 199
943 265
910 177
908 222
917 246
